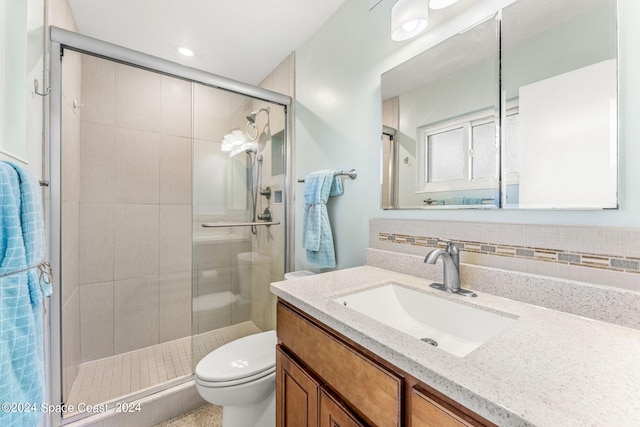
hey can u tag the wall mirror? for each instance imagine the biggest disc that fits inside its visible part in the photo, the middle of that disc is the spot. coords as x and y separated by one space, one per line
543 136
440 112
559 86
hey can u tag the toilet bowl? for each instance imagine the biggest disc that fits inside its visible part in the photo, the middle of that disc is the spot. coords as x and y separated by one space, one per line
240 376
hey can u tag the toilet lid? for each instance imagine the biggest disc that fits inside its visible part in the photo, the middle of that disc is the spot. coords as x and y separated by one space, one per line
244 357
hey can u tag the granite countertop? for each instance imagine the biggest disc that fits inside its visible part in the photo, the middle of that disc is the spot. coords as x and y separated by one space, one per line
548 368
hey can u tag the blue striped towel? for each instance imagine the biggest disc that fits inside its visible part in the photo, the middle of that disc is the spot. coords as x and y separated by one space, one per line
317 237
22 248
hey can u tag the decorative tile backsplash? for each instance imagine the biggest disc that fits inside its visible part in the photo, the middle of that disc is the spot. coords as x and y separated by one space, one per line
582 259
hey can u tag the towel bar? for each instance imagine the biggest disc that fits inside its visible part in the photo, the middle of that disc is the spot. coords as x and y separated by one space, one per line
351 174
239 224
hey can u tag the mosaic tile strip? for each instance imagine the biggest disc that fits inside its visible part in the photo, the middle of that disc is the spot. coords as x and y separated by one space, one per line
606 262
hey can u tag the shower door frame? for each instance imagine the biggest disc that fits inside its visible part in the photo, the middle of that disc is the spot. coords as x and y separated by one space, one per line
59 41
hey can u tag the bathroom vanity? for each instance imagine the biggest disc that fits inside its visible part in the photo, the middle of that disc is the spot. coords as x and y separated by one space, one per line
338 366
315 365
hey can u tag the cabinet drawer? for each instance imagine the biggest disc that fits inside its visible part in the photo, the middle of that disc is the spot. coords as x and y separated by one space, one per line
371 390
427 411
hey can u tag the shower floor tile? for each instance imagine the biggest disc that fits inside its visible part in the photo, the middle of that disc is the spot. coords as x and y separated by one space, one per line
114 377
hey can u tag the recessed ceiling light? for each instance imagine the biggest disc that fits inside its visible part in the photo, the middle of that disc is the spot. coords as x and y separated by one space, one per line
183 50
441 4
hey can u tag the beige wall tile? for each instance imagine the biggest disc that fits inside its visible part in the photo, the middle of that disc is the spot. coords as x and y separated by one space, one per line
212 107
137 166
98 90
96 314
174 316
72 80
70 156
70 341
97 163
175 239
175 107
175 170
96 243
135 322
137 99
280 80
136 241
70 249
211 165
59 14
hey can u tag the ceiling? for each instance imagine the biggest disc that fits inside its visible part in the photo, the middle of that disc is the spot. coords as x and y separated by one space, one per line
240 39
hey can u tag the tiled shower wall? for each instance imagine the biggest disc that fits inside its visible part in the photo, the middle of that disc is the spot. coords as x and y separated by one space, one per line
134 243
270 241
608 256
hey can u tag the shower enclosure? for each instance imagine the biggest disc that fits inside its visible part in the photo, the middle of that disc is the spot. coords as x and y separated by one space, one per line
168 219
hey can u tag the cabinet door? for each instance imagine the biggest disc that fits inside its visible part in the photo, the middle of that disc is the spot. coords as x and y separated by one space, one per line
343 368
296 394
334 414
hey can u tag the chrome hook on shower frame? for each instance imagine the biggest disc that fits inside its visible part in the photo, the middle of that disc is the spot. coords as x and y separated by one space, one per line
36 87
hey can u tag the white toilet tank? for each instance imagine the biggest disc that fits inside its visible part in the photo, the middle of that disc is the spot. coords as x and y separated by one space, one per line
253 268
297 274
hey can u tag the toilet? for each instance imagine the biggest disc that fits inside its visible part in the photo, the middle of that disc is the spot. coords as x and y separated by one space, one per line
241 377
297 274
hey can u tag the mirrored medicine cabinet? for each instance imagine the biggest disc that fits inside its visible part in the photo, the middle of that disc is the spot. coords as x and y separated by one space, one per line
519 111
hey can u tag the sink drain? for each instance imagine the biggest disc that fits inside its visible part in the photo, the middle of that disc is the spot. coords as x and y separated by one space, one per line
430 341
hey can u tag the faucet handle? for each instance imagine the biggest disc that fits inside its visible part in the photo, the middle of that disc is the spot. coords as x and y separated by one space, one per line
451 248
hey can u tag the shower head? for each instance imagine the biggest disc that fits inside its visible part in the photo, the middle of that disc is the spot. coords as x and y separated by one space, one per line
251 118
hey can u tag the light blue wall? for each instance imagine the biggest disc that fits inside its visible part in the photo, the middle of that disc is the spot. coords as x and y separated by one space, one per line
338 121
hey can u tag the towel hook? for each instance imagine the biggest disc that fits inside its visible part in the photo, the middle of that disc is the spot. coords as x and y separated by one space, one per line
36 86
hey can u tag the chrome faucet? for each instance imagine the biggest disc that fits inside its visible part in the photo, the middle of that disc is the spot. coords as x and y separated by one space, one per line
451 269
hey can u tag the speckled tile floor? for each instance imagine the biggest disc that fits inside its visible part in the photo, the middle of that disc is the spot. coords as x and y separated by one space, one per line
106 379
204 416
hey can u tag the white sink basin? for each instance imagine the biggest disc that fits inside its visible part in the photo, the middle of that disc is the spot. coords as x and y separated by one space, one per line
455 328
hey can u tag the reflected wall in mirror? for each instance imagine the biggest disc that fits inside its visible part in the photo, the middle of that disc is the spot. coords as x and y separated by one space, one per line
440 112
559 85
553 145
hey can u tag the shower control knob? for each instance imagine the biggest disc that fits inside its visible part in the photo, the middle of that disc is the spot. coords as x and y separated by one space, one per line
266 215
266 192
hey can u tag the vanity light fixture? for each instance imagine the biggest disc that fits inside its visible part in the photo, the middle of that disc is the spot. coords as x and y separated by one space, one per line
441 4
408 19
185 51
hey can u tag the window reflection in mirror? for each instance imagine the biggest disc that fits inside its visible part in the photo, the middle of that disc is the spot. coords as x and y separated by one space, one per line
442 109
559 82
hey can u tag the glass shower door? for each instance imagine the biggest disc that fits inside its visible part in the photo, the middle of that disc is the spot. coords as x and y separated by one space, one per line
126 230
233 183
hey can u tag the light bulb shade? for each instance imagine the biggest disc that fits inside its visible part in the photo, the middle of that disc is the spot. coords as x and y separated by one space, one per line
409 18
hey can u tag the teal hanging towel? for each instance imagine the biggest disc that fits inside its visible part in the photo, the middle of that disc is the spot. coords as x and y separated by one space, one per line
317 237
22 250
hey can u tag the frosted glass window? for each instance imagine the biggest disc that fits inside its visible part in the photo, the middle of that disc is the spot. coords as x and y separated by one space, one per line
445 156
511 146
484 151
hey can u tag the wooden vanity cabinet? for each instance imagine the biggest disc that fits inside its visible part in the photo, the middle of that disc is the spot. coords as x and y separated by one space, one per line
334 413
297 394
325 379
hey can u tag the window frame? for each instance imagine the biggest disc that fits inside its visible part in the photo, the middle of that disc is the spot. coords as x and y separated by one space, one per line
466 122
